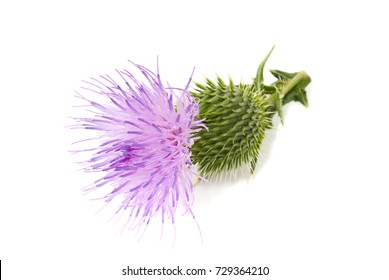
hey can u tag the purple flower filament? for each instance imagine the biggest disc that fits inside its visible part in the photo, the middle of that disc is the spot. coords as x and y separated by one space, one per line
145 131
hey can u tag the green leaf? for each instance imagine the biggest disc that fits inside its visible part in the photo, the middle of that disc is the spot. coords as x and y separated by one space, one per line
258 81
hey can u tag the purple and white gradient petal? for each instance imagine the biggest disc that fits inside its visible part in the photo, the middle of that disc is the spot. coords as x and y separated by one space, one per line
145 131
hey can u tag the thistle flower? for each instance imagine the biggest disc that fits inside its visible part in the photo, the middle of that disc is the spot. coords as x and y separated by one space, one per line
237 117
145 131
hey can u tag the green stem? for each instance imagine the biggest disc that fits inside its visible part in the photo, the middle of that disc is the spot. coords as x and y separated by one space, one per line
288 87
291 86
301 77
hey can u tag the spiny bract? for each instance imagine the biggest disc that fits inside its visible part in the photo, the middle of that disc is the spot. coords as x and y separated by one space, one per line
237 117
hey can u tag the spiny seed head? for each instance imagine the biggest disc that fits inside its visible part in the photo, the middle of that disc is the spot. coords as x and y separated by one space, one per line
237 117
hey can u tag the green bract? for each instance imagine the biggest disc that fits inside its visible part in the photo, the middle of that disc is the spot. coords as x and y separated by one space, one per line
237 117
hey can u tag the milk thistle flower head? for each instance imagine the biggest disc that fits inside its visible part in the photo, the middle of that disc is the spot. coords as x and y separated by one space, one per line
144 132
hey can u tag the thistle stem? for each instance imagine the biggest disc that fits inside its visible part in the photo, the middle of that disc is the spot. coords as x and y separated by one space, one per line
288 87
301 77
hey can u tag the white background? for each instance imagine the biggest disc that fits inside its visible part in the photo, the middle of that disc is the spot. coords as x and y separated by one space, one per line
317 207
